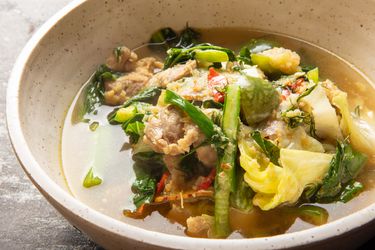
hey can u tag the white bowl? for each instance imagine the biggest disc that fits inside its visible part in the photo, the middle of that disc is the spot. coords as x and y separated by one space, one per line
66 49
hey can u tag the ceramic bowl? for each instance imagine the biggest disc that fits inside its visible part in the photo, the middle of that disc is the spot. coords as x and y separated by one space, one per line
68 47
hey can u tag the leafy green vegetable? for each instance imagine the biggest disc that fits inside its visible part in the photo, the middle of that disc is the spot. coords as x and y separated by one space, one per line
143 187
350 191
258 100
149 95
169 38
242 197
148 168
91 180
270 149
244 55
209 129
225 181
163 35
180 55
344 167
188 38
135 130
151 158
94 91
134 127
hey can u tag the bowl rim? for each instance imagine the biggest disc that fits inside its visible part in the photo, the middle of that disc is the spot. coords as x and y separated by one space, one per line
89 215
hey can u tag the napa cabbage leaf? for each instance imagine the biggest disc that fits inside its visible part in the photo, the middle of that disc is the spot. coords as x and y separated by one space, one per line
275 185
325 119
361 134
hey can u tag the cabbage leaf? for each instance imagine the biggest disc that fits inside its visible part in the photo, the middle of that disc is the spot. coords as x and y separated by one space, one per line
325 119
276 185
361 134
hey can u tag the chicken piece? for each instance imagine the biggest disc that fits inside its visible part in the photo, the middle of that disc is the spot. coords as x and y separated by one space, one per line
122 59
175 73
169 132
118 91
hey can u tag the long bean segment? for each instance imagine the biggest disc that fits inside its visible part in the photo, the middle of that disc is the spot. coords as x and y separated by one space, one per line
225 177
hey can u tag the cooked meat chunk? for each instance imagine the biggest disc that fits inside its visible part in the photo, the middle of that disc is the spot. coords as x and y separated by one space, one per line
171 161
192 88
175 73
169 132
207 155
122 59
200 225
118 91
178 180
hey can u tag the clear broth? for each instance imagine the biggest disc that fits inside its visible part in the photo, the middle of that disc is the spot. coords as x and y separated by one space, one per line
112 160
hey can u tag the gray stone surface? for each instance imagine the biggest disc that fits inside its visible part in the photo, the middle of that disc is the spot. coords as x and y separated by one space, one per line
27 221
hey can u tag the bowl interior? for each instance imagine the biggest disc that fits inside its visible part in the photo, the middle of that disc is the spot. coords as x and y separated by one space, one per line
69 52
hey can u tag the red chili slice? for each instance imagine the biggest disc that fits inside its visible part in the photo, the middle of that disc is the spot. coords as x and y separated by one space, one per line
212 73
209 179
161 184
219 97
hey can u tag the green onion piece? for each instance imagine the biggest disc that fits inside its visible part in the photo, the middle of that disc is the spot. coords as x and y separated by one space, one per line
313 75
199 118
211 55
93 126
91 180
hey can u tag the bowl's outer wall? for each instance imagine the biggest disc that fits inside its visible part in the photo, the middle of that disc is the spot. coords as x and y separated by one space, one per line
75 45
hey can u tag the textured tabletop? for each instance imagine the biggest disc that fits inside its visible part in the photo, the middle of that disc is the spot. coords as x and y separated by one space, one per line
27 221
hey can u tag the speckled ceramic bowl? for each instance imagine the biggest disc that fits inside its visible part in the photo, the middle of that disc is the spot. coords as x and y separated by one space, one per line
63 53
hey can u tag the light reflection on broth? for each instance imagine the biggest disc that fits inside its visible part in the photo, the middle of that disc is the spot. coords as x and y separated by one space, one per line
81 148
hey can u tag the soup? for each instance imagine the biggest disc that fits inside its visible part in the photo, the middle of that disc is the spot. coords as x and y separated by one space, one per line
100 161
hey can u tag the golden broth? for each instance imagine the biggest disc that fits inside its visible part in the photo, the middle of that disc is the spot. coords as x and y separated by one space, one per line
106 150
